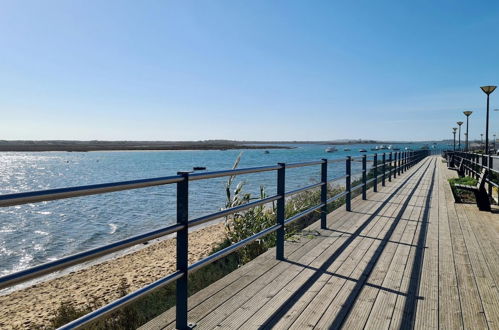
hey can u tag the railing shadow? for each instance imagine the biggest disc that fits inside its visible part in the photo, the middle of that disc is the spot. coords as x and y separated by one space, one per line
289 303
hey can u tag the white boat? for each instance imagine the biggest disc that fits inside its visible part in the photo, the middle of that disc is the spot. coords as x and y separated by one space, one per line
331 149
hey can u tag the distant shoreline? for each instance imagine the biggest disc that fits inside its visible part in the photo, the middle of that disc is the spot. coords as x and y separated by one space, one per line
86 146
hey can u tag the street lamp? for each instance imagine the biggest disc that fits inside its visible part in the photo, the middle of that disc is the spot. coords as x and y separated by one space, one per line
481 140
467 114
459 123
487 90
454 129
494 142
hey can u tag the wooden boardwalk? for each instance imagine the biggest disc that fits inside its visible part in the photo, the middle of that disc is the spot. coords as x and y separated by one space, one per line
408 257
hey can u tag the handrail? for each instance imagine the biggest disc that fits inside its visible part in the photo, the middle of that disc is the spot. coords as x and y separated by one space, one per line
473 160
61 193
398 164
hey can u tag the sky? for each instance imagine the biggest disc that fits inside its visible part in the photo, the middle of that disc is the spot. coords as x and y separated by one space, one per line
246 70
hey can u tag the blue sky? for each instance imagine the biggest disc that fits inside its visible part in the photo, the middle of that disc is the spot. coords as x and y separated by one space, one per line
254 70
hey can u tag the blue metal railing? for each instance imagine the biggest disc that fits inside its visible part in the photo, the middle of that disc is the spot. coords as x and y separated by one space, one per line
473 164
181 228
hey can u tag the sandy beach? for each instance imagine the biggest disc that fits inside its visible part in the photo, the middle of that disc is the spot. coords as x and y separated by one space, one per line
34 306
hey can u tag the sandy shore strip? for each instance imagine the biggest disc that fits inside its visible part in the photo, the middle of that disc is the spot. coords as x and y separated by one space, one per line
34 306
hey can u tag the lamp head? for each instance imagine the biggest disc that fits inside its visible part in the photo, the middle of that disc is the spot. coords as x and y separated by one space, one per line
488 89
459 123
467 113
454 129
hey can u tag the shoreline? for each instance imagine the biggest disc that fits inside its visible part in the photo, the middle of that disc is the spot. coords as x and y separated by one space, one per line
87 146
34 306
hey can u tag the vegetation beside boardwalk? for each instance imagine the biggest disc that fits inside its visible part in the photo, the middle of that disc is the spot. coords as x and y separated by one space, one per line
460 195
238 227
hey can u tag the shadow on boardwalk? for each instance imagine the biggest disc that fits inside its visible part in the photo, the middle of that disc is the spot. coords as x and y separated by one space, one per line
410 302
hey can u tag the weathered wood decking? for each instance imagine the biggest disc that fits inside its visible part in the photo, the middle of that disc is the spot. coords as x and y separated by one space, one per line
407 257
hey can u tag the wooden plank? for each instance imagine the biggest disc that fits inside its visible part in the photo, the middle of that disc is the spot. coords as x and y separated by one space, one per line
384 261
427 302
450 315
405 305
471 304
377 304
333 299
485 282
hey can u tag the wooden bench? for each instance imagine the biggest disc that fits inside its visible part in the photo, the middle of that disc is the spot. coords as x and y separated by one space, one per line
459 169
481 196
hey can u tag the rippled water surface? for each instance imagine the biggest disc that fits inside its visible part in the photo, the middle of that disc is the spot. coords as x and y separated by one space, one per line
36 233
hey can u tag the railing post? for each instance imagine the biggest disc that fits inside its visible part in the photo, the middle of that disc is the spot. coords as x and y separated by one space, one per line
489 172
364 177
348 182
281 190
383 177
324 194
404 161
399 164
477 167
395 164
375 171
390 169
182 250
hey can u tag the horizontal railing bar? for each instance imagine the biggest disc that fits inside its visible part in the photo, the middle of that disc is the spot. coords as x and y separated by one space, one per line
356 187
302 164
218 174
62 193
332 199
228 250
232 210
121 302
297 191
302 214
49 267
370 180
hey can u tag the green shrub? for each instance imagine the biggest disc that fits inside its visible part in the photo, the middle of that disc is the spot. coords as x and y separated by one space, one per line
463 196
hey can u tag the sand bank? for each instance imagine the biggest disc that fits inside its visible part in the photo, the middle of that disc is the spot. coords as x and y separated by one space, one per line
35 306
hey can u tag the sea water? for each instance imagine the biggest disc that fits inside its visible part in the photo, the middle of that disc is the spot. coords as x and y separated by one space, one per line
36 233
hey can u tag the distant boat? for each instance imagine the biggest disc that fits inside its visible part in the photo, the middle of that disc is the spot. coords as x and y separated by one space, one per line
199 168
396 149
346 149
375 148
266 152
383 147
390 147
362 150
331 149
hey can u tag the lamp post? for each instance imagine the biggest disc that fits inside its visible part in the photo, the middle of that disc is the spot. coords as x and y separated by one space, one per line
454 129
467 114
459 123
481 140
494 143
487 90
